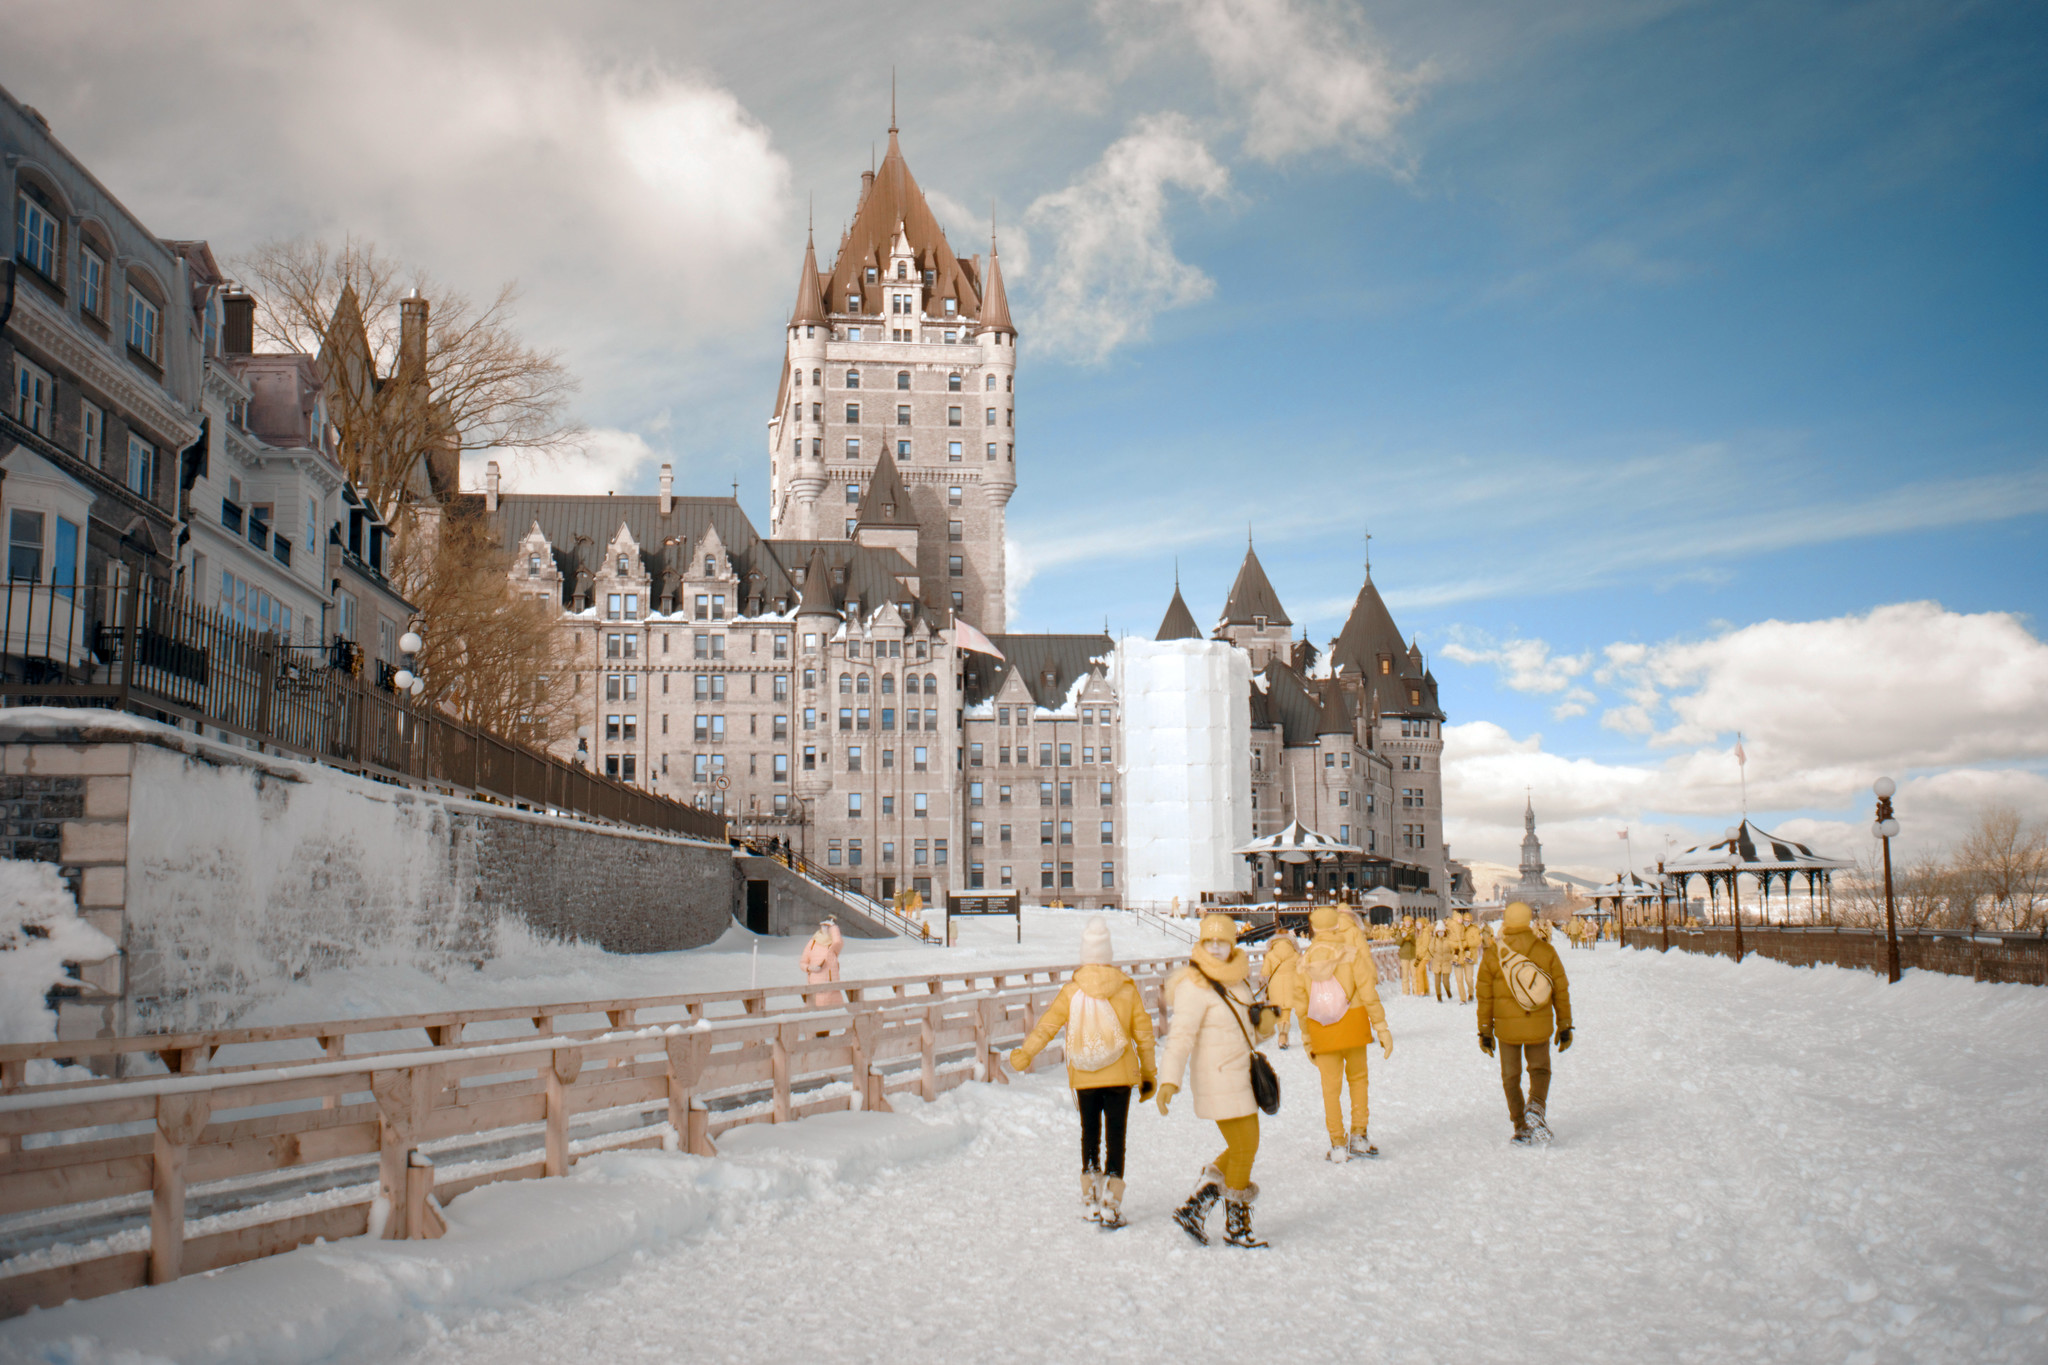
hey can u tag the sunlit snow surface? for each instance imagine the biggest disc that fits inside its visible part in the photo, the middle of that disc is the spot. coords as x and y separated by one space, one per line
1754 1163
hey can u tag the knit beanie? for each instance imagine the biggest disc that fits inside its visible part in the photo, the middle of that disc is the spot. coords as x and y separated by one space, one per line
1515 917
1322 919
1220 927
1095 941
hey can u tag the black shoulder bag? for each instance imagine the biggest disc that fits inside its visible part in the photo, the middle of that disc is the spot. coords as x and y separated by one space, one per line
1265 1081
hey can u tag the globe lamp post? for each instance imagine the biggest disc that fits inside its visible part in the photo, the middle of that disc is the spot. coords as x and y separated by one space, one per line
1884 828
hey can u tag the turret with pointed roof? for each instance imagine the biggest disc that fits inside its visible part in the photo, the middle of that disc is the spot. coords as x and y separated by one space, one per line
810 298
1252 601
1179 622
995 304
886 502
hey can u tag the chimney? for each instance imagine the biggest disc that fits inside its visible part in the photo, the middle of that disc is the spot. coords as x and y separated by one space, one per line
867 182
238 324
668 489
491 486
412 333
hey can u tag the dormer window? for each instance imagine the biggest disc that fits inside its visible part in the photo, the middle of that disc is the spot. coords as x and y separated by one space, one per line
710 567
853 303
871 274
533 566
1258 623
1386 665
902 270
622 566
951 307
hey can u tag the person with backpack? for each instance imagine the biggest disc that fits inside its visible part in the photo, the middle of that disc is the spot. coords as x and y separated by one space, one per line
820 962
1109 1050
1336 993
1277 969
1214 1026
1523 994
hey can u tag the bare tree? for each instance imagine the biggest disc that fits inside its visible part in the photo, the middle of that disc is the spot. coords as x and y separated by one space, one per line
456 379
491 657
2007 860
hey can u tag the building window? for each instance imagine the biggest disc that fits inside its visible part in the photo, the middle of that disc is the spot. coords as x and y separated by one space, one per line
1066 831
141 466
903 379
35 236
1108 832
33 393
955 567
953 496
25 547
853 805
991 450
92 446
853 447
952 417
853 376
92 280
144 324
903 450
1066 755
991 418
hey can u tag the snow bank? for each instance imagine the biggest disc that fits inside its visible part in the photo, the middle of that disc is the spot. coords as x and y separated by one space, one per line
40 931
1186 747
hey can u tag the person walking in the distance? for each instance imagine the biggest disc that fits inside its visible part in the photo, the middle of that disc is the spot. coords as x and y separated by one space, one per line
1523 993
1277 970
1212 1027
1109 1050
1335 990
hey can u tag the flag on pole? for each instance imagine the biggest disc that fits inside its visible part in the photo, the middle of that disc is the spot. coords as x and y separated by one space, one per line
1741 758
968 638
1622 834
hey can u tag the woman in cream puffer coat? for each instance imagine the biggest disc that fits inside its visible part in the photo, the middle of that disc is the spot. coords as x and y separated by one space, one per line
1213 1023
1102 1095
1277 969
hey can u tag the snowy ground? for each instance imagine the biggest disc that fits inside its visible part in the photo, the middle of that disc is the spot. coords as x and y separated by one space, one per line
1753 1163
530 970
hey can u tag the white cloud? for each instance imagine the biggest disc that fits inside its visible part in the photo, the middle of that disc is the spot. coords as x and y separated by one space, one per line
605 460
1525 665
1954 705
1113 264
1309 76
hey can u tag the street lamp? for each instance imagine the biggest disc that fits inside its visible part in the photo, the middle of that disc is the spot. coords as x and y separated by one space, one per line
405 679
1884 828
1663 914
1734 892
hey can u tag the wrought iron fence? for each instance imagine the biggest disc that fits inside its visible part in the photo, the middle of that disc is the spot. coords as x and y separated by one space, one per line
152 651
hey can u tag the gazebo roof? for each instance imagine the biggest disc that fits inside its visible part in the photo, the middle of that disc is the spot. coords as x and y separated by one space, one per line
1626 885
1757 851
1296 837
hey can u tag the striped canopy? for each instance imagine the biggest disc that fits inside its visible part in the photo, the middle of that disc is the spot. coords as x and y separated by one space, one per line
1755 851
1627 885
1297 843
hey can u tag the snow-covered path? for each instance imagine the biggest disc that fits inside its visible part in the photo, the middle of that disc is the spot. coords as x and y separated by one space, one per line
1753 1163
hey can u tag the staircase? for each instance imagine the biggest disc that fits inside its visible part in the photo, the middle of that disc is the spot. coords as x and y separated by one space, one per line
838 890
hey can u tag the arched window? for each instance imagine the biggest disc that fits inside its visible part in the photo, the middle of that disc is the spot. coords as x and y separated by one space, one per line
853 379
39 218
902 270
952 383
845 684
902 379
888 684
814 379
860 684
910 683
931 685
799 377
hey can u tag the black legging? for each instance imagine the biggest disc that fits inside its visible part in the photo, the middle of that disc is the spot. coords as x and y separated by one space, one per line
1111 1102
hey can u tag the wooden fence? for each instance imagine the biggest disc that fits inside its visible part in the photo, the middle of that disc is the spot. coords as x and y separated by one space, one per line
2018 958
233 1151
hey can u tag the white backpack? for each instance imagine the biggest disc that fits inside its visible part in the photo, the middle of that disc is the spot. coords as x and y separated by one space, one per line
1326 1001
1095 1036
1527 982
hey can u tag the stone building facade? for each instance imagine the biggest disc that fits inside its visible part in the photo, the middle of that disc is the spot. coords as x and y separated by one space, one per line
846 682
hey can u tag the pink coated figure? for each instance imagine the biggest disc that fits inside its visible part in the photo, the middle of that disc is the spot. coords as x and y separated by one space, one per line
820 962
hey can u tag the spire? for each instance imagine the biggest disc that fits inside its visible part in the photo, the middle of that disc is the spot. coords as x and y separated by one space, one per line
1252 596
810 302
885 503
995 304
1179 622
894 199
818 597
1334 717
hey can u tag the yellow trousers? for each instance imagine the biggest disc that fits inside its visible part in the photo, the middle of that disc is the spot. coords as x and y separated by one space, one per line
1280 1030
1421 977
1464 983
1337 1068
1240 1148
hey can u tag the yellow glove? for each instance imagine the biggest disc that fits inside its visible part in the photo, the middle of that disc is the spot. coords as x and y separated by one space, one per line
1020 1060
1165 1097
1386 1041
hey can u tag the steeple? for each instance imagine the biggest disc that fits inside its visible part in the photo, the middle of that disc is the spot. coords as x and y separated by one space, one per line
1252 597
810 301
995 304
1334 717
894 204
819 596
1179 622
885 503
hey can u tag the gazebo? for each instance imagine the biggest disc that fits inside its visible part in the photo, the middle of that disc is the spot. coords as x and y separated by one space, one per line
1303 862
1625 887
1767 858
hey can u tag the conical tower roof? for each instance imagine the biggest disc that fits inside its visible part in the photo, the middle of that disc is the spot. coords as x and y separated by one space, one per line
995 304
819 595
1368 633
1252 596
894 204
810 298
885 502
1335 717
1179 622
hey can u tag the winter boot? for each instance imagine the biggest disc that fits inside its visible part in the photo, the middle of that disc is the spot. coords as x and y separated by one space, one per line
1091 1196
1338 1152
1195 1212
1539 1131
1237 1217
1112 1204
1360 1147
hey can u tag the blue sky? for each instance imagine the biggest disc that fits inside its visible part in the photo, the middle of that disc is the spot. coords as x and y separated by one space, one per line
1618 323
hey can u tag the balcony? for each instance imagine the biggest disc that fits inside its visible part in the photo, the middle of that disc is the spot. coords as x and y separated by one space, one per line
231 516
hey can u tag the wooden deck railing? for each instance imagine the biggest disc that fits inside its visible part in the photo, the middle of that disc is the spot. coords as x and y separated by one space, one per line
106 1184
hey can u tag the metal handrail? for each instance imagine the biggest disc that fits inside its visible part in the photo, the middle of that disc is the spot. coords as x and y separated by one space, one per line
837 886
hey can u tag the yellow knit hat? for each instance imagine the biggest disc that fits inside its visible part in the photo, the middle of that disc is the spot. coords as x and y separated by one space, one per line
1221 928
1516 916
1322 919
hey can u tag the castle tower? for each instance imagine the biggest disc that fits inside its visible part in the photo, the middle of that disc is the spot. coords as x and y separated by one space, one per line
1253 618
1532 848
903 351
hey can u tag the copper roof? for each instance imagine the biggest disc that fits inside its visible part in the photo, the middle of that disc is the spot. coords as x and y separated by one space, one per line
1334 718
884 502
893 204
1252 597
810 299
1179 622
995 311
1048 663
1407 687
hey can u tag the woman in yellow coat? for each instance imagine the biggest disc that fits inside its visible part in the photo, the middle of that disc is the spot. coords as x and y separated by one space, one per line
1213 1025
1277 971
1109 1050
1336 994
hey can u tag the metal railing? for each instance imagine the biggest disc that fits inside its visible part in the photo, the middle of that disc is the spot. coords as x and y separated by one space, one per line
154 652
839 888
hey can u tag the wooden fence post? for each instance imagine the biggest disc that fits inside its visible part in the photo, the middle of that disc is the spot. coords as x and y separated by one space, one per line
866 1079
179 1119
422 1219
402 1097
561 1072
778 1066
927 1046
688 1055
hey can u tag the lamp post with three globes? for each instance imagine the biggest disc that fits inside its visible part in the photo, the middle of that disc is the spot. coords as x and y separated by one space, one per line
1884 828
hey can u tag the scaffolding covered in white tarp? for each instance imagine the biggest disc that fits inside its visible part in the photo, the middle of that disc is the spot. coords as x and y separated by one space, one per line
1187 776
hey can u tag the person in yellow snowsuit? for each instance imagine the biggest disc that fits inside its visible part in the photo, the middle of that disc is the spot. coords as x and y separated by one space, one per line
1442 949
1424 941
1335 991
1277 971
1466 956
